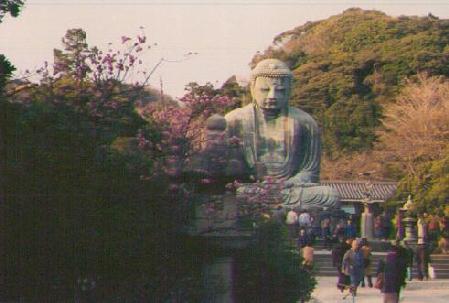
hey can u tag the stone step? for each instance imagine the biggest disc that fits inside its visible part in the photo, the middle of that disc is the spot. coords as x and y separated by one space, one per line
376 245
439 258
333 273
323 264
440 266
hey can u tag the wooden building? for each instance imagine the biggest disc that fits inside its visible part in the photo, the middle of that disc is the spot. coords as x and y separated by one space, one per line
354 193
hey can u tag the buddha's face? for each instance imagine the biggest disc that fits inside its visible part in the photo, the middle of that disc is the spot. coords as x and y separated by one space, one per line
271 93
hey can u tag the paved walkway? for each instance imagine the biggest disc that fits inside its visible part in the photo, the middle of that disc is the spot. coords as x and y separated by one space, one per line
435 291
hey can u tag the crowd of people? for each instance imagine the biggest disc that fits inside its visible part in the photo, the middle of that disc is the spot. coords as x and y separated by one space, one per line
325 227
434 231
352 256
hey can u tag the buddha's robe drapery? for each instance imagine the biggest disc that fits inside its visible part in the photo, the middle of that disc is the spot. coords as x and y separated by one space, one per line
293 155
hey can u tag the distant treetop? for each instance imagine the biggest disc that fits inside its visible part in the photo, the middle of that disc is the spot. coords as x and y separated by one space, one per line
10 6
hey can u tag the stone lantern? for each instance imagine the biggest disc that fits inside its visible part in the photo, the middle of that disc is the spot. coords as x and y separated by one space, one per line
409 221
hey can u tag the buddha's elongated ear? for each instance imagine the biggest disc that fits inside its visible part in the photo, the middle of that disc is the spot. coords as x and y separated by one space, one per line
252 86
289 86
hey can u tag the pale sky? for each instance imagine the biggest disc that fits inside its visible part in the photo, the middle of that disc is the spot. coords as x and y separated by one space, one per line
226 34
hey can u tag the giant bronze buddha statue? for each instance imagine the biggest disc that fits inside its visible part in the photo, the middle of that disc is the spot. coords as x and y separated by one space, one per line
277 143
280 142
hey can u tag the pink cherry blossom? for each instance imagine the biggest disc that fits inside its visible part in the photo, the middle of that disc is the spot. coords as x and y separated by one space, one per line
125 39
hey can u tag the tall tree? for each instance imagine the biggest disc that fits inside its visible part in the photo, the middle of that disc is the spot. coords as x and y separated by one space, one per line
416 126
73 60
11 7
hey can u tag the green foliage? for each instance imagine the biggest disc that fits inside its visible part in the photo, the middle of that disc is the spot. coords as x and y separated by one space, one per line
72 61
358 55
232 89
349 124
270 270
10 6
108 118
6 69
76 204
197 90
430 186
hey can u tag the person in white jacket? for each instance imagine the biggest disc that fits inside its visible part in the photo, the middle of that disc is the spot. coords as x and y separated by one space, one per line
292 224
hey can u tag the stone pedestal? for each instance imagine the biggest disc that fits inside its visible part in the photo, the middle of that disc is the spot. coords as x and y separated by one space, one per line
410 229
367 224
214 213
218 281
216 224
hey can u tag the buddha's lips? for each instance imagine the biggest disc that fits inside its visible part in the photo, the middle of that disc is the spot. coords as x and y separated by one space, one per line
271 111
273 104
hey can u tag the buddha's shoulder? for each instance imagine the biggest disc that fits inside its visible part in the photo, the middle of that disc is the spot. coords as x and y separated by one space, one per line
302 116
240 113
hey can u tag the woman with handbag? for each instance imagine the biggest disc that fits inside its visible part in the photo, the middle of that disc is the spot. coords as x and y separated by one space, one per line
366 250
391 274
338 251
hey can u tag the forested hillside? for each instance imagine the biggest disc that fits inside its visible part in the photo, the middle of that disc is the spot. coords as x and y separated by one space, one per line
348 66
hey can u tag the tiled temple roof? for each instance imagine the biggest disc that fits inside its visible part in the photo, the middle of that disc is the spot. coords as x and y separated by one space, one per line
353 191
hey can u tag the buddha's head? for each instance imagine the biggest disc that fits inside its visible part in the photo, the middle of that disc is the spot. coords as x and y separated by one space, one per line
270 85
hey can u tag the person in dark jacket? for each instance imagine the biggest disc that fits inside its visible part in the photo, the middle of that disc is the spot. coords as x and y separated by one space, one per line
350 231
316 227
394 271
326 232
338 252
339 231
378 227
303 239
367 254
422 260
